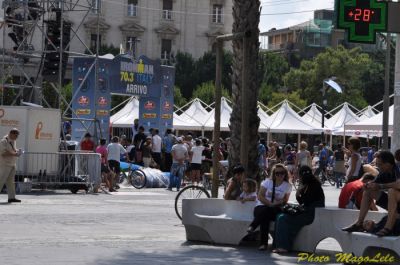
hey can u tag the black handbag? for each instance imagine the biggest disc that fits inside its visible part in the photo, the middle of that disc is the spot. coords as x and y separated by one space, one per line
293 209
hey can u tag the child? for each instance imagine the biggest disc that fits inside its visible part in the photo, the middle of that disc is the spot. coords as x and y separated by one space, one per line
249 191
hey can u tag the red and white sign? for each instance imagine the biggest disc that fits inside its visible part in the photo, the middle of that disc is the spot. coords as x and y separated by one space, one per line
167 106
83 101
149 105
102 102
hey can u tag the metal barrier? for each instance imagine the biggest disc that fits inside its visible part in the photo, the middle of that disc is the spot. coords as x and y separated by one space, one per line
64 170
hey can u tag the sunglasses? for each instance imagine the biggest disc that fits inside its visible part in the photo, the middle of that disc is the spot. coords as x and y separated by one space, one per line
280 173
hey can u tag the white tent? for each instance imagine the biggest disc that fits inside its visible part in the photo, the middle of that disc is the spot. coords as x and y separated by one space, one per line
264 118
367 113
313 116
184 122
286 120
126 116
226 111
373 124
344 116
196 111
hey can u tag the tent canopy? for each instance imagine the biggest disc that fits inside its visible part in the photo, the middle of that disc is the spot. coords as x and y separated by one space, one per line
127 115
226 111
372 124
344 116
286 120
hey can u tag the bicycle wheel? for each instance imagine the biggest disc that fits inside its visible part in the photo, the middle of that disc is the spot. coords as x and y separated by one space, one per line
138 179
331 179
189 192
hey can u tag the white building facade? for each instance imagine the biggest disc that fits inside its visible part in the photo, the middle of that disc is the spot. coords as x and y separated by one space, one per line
155 28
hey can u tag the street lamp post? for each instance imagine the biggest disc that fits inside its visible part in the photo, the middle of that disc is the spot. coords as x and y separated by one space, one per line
326 84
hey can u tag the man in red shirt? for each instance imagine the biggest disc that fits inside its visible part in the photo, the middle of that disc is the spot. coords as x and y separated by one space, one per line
87 144
352 192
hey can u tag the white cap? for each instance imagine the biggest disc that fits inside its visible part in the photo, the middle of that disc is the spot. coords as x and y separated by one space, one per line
179 139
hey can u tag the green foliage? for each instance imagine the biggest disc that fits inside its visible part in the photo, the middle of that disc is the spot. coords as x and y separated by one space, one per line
191 73
274 66
351 67
179 100
206 92
293 97
265 93
185 74
67 94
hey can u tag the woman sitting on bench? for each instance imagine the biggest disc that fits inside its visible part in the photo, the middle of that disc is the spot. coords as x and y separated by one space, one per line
274 193
310 195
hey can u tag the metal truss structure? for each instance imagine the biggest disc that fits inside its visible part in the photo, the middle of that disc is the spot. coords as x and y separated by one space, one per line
26 43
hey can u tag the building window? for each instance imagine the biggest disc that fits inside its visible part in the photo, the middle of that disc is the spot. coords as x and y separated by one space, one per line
96 6
217 14
93 42
130 46
167 10
132 8
166 47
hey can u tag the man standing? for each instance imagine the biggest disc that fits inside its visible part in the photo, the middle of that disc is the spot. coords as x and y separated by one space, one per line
8 163
115 150
179 156
168 142
156 147
138 141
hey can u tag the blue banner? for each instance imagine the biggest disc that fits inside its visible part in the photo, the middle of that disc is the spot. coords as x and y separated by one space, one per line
153 83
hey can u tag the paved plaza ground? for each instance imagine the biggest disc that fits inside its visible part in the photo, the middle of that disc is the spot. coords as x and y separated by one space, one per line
128 227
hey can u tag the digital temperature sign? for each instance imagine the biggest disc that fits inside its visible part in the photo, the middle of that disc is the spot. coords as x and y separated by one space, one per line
362 18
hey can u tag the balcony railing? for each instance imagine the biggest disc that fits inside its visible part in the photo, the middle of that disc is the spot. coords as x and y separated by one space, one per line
167 14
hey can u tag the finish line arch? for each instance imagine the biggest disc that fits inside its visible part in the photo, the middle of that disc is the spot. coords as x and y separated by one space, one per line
152 82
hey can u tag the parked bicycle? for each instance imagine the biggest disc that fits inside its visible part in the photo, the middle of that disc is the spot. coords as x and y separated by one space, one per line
133 174
200 190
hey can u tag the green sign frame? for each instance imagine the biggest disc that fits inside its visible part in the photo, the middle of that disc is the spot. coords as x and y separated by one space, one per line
351 26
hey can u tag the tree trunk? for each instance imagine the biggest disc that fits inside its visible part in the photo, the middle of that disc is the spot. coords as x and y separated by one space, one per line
246 14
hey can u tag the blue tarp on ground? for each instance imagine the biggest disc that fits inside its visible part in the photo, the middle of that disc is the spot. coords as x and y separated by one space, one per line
155 178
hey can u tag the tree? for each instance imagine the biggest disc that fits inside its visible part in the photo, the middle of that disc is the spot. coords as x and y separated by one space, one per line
350 67
246 16
191 73
185 75
206 92
273 66
179 100
293 97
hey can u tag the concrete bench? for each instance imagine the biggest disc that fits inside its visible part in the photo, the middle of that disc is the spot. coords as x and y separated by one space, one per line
225 222
216 220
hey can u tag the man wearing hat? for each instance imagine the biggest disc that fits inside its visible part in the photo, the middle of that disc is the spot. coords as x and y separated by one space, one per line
8 163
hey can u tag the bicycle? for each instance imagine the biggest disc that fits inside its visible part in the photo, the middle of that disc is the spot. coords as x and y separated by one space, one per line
199 191
134 175
326 174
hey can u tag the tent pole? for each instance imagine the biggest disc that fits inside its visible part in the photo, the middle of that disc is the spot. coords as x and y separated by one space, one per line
331 140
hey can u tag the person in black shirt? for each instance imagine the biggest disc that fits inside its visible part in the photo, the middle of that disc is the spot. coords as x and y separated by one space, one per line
377 189
310 195
138 141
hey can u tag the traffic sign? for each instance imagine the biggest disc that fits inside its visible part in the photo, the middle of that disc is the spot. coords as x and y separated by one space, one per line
362 19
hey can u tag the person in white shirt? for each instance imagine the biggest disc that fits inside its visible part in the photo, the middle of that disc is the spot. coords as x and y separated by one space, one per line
274 193
249 191
196 154
179 156
115 150
156 147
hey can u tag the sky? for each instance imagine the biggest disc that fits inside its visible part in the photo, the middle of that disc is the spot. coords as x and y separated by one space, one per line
286 6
